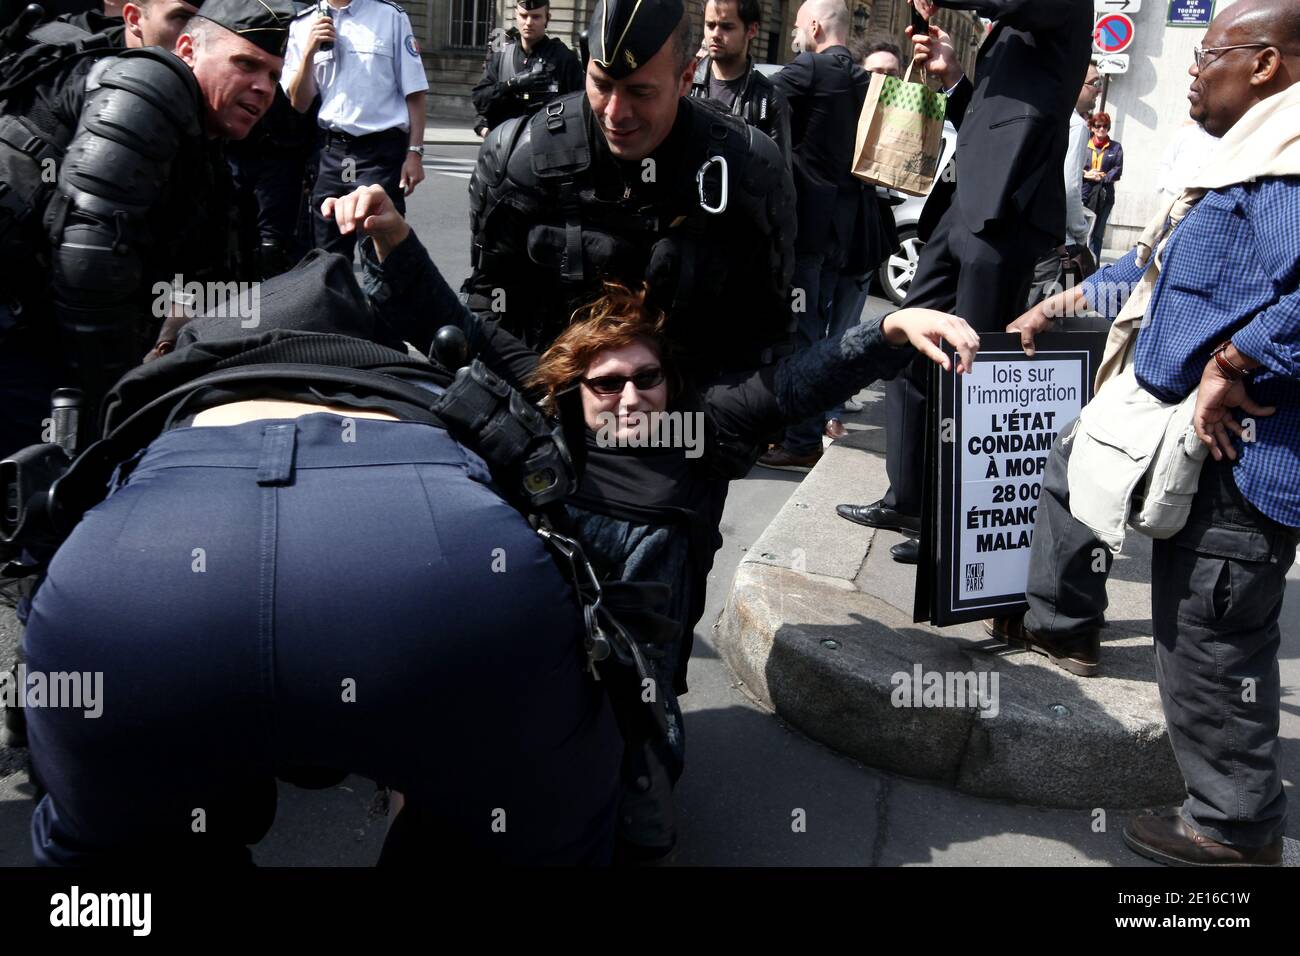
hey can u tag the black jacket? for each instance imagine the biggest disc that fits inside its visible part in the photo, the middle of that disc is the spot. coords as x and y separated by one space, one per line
758 103
125 220
496 102
553 213
825 92
1013 122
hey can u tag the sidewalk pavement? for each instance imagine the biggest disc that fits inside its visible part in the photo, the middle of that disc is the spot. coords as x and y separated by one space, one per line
448 133
818 626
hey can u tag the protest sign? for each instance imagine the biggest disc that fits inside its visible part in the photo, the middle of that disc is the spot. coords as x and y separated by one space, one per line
990 434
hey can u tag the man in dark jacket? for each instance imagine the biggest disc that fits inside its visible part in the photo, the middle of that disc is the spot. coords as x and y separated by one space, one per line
825 87
984 229
728 75
525 74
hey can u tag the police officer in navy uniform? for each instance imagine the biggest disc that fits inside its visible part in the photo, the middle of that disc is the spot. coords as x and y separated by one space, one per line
297 576
527 73
363 60
728 76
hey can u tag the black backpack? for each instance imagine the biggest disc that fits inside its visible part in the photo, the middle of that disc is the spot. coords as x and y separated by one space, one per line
33 137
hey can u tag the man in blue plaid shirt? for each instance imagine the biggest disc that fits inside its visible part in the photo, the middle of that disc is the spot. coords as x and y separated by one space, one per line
1225 315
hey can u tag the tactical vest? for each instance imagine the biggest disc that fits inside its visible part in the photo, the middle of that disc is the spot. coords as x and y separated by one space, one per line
717 233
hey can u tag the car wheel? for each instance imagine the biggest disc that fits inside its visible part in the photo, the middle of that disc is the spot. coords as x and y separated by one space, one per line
896 272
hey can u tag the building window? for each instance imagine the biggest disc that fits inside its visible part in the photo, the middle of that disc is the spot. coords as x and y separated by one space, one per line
470 22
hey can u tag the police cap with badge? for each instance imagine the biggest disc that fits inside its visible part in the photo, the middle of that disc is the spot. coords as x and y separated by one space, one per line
263 23
625 34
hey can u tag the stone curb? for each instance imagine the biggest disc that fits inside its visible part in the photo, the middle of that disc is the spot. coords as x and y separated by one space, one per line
816 629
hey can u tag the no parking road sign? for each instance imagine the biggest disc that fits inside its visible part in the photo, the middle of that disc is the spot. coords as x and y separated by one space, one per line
1113 33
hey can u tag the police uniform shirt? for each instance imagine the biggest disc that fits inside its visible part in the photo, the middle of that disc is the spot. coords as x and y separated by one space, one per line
374 66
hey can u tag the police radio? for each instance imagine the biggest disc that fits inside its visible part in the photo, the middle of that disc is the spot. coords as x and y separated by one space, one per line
323 9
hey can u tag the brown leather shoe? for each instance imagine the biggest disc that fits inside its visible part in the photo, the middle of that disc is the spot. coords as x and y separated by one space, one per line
1079 655
834 429
1166 838
777 457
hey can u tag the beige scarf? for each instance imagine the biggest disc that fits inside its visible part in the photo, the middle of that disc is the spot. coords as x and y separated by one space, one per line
1264 142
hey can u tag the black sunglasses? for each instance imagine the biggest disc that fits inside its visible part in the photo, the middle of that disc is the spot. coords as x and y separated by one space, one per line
644 380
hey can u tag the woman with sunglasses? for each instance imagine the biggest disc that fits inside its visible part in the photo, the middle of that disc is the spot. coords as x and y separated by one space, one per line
1103 166
651 447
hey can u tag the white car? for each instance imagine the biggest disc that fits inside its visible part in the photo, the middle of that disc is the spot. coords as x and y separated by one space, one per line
895 273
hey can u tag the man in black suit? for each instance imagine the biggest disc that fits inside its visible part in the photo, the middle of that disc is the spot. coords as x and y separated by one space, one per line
984 227
825 88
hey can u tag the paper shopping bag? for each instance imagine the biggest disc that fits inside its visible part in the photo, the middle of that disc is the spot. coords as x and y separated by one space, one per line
900 134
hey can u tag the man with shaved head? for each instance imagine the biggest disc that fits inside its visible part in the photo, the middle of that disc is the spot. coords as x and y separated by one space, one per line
825 87
1223 317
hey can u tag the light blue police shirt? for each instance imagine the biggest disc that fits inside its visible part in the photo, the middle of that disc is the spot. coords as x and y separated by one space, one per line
374 66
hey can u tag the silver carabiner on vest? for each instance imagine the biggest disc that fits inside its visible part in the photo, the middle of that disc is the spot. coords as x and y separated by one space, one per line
699 182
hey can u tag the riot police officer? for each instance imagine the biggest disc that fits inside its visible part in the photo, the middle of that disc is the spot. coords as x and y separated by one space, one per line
142 192
524 74
635 181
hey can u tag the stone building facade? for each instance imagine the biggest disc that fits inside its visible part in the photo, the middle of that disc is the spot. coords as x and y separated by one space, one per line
453 36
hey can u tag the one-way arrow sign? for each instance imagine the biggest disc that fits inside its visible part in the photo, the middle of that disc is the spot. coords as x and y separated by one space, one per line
1116 6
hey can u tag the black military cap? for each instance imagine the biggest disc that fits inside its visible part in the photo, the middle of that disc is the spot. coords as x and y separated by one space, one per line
625 34
532 4
264 23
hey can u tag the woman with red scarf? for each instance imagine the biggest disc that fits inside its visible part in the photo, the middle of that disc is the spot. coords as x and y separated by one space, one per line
1103 165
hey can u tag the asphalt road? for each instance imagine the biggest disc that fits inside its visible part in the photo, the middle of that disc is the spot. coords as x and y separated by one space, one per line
746 772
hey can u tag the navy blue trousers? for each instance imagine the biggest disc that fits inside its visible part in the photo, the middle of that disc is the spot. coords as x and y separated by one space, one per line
348 163
325 592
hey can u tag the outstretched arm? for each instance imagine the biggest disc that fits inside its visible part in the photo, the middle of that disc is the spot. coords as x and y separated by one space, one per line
835 369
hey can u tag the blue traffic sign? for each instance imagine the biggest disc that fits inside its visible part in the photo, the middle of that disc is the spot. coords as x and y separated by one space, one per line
1190 13
1113 33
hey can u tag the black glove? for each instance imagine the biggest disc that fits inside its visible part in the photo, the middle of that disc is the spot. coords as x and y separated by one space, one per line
537 75
679 268
600 250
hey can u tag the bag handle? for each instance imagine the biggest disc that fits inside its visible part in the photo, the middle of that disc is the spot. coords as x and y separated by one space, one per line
907 77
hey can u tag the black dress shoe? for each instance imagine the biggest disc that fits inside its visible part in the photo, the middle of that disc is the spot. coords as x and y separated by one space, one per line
876 515
909 552
1166 838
